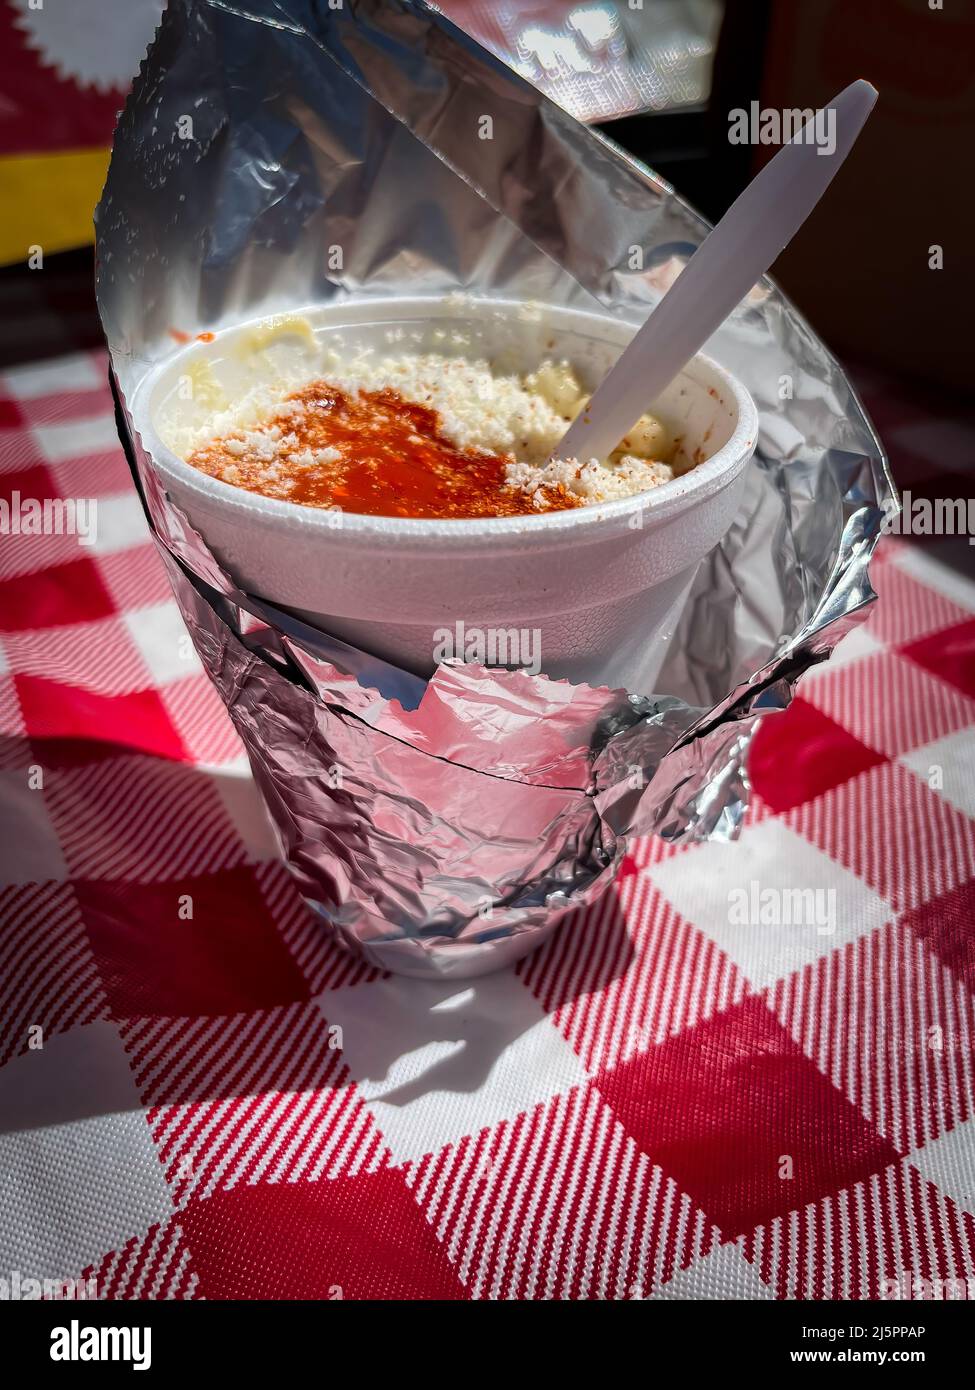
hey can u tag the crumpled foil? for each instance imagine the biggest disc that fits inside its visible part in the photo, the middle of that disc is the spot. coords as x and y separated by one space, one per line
428 836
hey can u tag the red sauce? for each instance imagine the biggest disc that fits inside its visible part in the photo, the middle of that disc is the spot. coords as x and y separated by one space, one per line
394 460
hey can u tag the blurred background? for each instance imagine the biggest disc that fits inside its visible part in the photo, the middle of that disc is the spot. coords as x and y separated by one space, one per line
659 77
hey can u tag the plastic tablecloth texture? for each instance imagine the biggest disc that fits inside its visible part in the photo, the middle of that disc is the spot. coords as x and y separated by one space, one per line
682 1095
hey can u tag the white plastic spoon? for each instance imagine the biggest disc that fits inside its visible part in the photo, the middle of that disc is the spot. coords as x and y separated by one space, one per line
723 269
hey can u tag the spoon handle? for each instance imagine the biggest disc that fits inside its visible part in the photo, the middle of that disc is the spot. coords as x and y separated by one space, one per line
723 269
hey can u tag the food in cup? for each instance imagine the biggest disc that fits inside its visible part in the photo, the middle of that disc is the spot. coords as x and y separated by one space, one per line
421 435
602 585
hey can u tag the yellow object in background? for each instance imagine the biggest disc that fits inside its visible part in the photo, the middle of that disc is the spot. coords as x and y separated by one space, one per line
48 200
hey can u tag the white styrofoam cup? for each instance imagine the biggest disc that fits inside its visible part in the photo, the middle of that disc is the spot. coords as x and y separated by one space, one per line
596 590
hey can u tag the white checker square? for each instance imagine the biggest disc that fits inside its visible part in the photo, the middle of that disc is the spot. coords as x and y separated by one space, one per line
245 807
950 761
74 439
701 883
435 1061
949 1162
80 1171
120 523
77 371
914 560
33 855
858 643
161 637
723 1273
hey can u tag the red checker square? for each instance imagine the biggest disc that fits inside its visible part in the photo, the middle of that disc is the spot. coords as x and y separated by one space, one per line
947 924
82 726
892 830
30 481
10 413
63 593
906 609
727 1108
354 1238
889 703
135 577
950 655
801 753
226 958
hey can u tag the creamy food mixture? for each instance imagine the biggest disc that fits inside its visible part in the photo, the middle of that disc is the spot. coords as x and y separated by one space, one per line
421 435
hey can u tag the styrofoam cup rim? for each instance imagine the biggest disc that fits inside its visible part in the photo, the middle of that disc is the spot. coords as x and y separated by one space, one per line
578 524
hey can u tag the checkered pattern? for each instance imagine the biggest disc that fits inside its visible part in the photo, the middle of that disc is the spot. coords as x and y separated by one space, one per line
201 1097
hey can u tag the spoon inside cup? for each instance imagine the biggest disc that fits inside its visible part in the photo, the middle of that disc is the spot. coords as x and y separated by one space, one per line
723 269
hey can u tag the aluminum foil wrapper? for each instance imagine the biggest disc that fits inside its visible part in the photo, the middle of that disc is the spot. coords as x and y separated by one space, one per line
444 828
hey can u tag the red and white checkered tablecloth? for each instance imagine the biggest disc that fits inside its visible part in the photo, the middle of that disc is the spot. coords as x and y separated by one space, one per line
661 1103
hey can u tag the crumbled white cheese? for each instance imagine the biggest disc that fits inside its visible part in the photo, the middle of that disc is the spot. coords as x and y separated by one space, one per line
592 481
502 414
315 458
